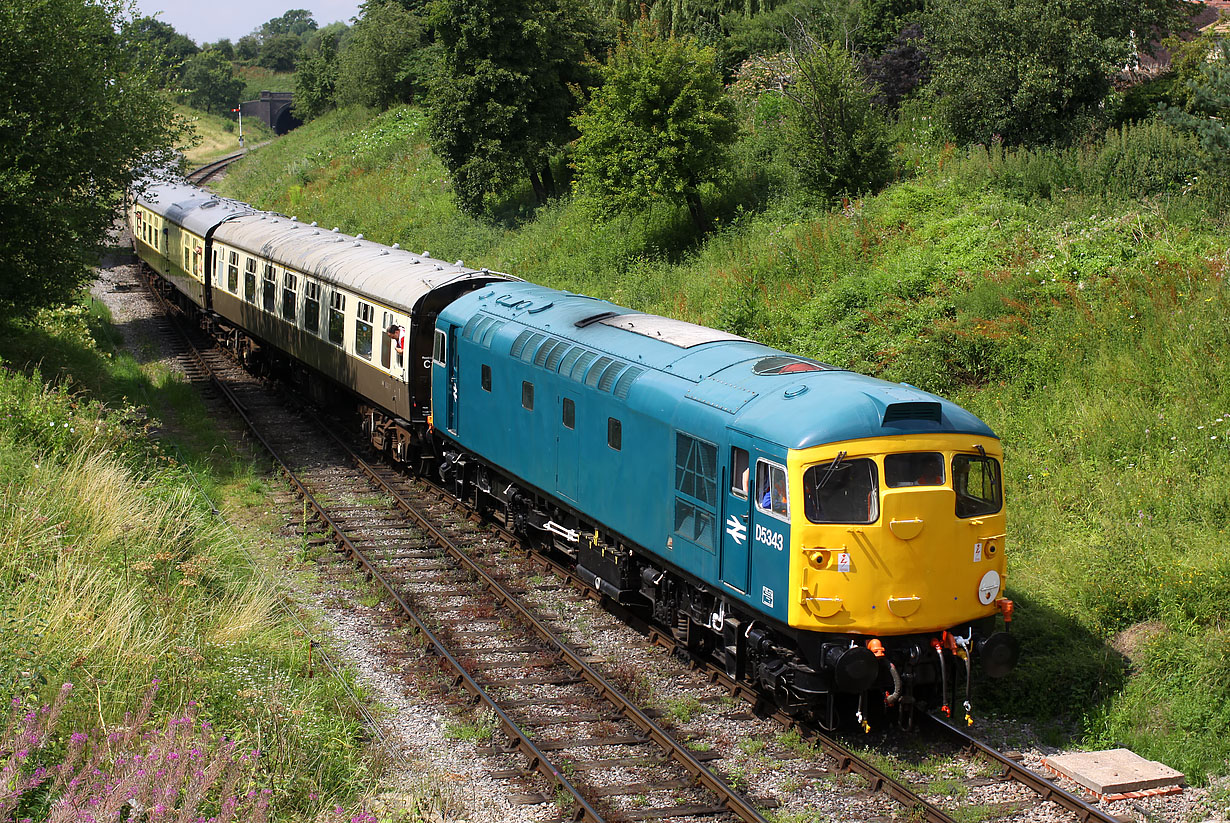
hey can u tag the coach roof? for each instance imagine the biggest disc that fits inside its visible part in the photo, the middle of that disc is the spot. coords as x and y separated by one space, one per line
389 275
197 210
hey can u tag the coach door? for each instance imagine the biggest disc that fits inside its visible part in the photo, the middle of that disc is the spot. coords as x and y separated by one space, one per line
736 558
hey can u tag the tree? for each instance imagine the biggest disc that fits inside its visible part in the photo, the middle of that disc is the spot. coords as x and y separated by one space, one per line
316 79
210 82
1033 71
900 69
248 48
1207 115
658 128
501 102
279 52
377 68
224 47
81 118
838 139
162 49
296 21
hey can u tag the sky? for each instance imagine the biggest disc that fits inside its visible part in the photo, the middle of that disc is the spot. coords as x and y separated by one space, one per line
206 21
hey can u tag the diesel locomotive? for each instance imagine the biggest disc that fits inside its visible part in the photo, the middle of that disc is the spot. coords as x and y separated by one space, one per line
833 538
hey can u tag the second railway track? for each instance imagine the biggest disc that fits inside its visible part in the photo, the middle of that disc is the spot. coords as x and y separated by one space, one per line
600 754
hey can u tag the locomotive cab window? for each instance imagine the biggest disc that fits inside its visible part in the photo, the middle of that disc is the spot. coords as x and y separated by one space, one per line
439 348
976 482
232 272
914 469
363 330
614 434
337 318
311 306
772 493
269 291
841 491
249 280
738 471
289 296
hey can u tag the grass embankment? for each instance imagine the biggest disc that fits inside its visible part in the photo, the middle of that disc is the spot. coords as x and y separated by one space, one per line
1075 300
115 573
214 136
258 78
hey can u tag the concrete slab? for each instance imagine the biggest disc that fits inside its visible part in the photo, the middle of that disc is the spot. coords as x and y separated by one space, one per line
1116 773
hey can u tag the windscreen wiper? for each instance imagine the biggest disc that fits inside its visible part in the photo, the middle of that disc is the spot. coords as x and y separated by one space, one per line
828 474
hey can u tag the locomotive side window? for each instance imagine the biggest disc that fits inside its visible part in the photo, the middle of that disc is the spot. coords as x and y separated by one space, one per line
232 272
738 471
570 413
311 306
771 490
363 330
337 318
289 296
527 395
696 489
249 280
269 289
976 482
439 348
841 491
485 377
916 469
614 434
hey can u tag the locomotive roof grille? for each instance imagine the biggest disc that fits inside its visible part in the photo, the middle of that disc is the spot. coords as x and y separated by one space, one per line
918 410
595 373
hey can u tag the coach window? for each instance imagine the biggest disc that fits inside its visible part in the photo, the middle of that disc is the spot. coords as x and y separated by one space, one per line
311 306
386 342
289 296
771 495
269 290
232 272
187 257
249 280
363 330
337 318
486 377
614 434
527 395
738 471
570 413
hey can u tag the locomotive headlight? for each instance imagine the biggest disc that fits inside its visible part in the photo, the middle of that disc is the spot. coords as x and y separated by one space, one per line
988 588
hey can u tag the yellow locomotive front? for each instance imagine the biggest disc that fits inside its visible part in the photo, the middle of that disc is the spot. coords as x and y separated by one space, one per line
900 541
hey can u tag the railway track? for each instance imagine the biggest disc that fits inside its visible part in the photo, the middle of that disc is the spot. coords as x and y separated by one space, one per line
601 753
203 174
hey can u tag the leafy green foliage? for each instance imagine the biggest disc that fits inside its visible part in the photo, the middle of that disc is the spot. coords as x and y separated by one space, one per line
78 119
161 49
316 80
658 128
210 82
1032 71
1206 116
838 136
378 67
501 102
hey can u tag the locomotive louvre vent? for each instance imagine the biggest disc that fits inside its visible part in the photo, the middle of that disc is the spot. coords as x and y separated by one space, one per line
557 355
518 345
531 346
471 325
579 367
488 331
595 374
570 359
544 351
912 411
607 381
626 380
